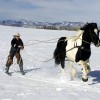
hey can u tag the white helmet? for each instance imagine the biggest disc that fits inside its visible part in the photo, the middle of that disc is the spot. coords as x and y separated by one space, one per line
16 34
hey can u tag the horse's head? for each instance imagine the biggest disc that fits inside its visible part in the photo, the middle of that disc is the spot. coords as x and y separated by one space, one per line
91 29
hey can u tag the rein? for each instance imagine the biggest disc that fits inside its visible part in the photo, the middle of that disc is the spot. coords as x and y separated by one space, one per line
38 42
59 54
49 41
85 41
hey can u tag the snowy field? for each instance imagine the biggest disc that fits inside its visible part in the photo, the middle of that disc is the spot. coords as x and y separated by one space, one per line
43 79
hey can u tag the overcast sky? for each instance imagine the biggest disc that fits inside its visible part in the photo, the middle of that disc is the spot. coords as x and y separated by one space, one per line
51 10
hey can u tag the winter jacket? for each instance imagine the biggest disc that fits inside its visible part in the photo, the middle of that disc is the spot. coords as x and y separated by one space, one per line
14 45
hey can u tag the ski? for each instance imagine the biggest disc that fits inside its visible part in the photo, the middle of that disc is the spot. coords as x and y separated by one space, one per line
9 73
22 72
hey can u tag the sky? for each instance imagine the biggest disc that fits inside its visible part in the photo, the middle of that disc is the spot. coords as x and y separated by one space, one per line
51 10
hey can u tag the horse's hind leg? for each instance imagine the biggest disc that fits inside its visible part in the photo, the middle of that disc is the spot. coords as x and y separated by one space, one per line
63 66
73 71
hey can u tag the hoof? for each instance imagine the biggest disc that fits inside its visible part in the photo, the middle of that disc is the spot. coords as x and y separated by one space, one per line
84 80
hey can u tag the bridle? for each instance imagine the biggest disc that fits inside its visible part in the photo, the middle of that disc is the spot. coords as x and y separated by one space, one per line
98 44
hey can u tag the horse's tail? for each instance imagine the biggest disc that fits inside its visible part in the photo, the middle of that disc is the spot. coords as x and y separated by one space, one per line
57 53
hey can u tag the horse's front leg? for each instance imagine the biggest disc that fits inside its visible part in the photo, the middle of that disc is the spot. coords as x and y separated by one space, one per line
88 66
84 70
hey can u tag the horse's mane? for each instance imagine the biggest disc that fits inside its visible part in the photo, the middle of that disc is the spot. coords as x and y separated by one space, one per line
77 35
81 31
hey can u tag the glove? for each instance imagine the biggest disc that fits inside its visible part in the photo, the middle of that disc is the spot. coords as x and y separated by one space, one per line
21 47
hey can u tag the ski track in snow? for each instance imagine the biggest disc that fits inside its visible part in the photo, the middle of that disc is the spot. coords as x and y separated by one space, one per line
43 80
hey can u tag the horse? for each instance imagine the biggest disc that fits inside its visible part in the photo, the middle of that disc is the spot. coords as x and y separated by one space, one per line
77 49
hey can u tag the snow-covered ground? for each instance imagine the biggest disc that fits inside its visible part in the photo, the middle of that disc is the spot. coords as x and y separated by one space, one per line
43 79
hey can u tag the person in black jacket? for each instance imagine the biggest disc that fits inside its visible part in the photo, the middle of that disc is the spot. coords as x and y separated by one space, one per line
16 46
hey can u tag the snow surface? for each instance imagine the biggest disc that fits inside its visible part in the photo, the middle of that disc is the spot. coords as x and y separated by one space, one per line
43 80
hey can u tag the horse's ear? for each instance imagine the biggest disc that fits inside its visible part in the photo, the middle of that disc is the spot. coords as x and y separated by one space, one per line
83 28
95 25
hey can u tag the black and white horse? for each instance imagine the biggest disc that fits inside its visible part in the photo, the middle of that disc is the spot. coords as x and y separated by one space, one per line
77 49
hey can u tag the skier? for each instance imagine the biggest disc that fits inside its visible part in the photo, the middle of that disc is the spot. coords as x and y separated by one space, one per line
16 46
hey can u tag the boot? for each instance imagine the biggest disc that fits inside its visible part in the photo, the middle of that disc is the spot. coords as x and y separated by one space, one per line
21 67
7 71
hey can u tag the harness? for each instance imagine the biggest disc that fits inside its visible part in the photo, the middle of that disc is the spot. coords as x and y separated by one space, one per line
76 46
82 47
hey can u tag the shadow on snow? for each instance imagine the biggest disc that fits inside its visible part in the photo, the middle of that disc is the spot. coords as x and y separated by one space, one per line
96 76
27 70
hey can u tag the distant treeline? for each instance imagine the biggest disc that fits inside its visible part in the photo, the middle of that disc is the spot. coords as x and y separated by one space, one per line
73 26
60 28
